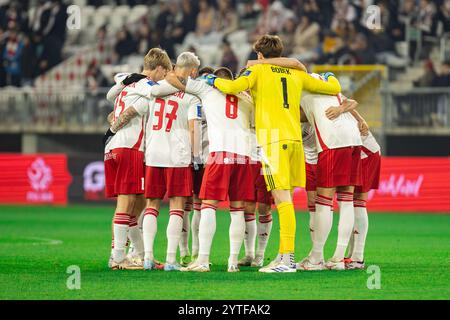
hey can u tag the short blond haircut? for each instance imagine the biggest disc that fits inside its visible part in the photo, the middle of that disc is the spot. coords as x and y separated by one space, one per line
188 60
157 57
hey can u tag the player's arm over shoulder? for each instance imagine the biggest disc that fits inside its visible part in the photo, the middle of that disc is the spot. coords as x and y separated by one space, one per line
243 83
150 89
330 87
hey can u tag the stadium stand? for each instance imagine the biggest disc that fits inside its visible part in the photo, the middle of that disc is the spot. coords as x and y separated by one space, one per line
410 38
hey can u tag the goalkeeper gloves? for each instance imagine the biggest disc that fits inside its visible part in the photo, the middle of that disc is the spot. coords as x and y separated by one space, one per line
210 78
132 78
107 137
326 75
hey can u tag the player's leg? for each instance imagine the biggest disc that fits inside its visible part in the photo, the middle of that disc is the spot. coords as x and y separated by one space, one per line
173 232
311 199
179 189
125 204
323 222
149 230
207 229
236 233
250 233
195 223
197 203
240 190
360 231
264 230
155 189
128 185
134 233
345 227
281 177
185 257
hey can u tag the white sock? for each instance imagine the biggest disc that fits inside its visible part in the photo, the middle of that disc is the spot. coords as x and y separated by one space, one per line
346 222
195 223
207 229
323 222
250 235
141 220
173 233
121 222
361 228
135 236
236 233
351 242
184 240
264 229
149 229
312 213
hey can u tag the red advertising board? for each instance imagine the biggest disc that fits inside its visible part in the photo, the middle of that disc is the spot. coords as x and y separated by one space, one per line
408 184
34 179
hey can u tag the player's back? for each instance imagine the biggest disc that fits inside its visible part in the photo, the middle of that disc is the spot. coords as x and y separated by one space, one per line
167 131
227 116
276 95
131 135
330 134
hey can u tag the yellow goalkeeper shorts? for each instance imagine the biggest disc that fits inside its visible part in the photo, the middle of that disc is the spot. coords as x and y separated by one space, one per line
284 165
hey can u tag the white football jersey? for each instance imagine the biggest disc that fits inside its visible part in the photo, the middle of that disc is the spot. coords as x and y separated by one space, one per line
168 142
228 118
309 143
330 134
370 144
199 114
132 134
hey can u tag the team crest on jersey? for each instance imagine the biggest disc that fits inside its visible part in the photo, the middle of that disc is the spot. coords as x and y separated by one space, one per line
247 73
151 83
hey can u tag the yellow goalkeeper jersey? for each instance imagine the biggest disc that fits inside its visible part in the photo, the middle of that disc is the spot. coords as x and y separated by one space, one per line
276 92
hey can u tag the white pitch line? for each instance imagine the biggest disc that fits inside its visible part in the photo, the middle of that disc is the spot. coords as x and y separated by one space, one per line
44 241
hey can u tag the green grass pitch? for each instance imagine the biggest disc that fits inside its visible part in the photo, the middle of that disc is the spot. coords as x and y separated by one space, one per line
37 244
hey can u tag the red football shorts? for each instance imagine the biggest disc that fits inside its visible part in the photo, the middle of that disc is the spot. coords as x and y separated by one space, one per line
198 177
124 172
227 174
370 173
311 177
261 194
176 182
339 167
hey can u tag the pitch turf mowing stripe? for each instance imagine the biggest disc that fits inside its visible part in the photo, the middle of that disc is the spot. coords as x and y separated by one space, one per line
410 250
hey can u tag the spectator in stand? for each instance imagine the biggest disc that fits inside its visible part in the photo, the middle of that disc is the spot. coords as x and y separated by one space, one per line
288 35
442 78
166 23
205 18
229 59
361 50
227 19
188 22
444 16
428 75
272 20
249 16
306 39
125 44
12 56
383 43
144 39
320 13
425 21
28 61
343 10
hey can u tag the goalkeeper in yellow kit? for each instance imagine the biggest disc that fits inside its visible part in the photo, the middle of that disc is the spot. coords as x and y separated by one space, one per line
276 92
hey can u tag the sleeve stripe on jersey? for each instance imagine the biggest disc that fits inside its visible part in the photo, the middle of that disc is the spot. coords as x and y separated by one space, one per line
269 177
